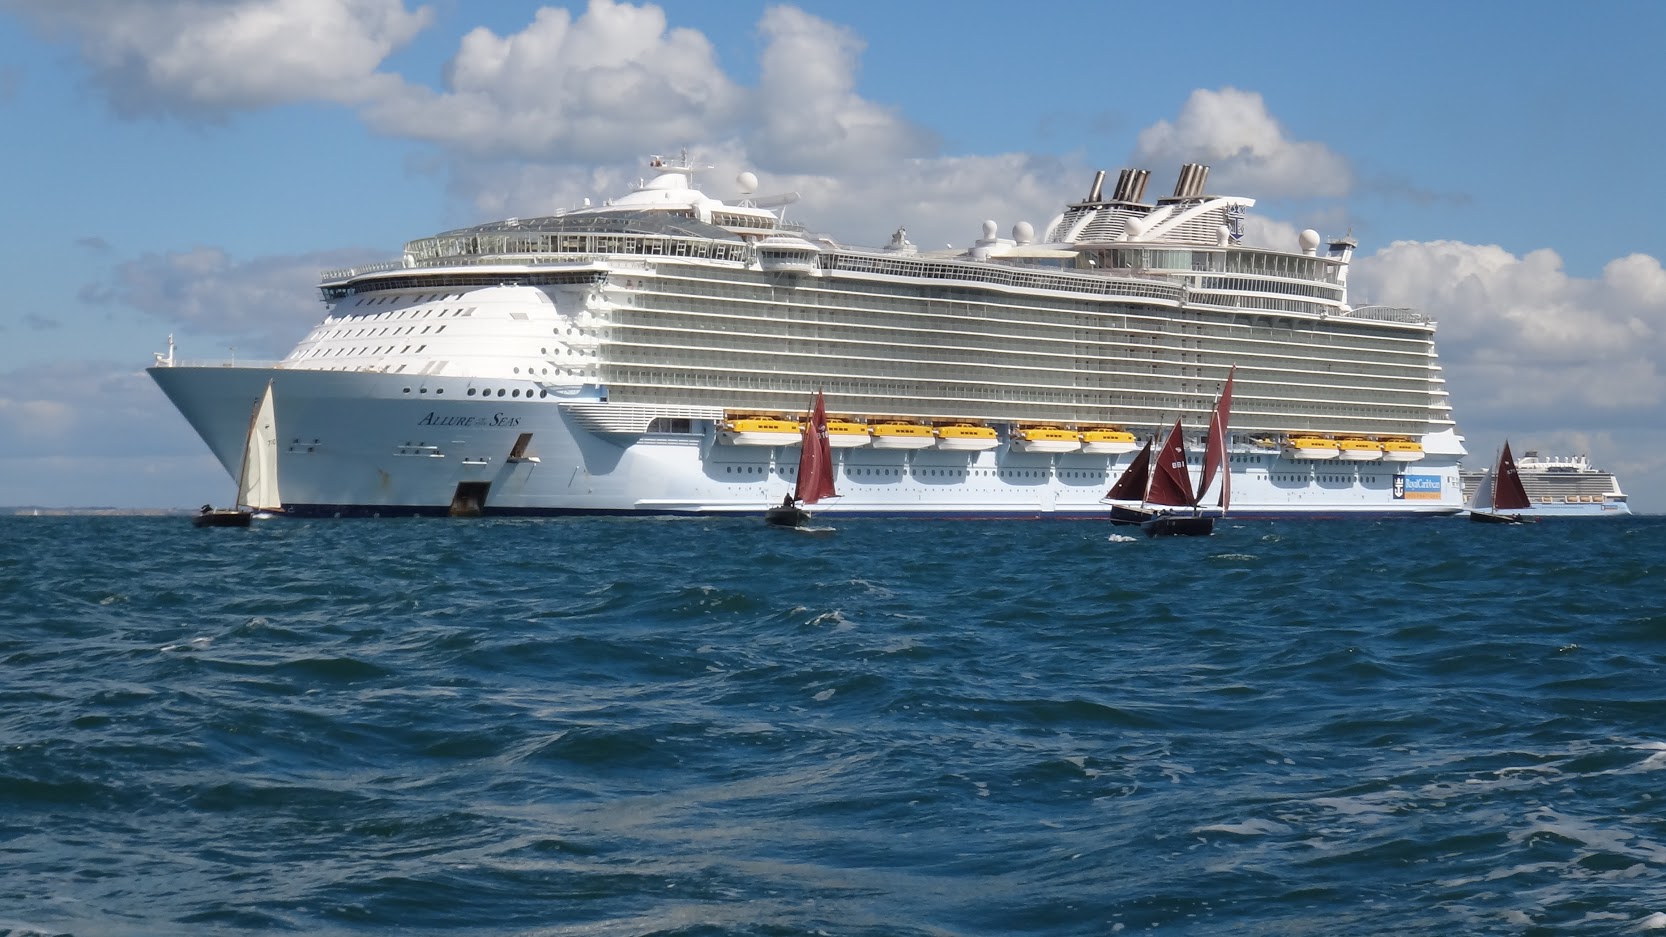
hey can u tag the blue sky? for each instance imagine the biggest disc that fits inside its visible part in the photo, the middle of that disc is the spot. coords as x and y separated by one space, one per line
188 166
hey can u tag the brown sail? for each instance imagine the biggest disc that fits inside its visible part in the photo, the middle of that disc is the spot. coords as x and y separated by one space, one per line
1214 453
1171 481
1131 486
1508 494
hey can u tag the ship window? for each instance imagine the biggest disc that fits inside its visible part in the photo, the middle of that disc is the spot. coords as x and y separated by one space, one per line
515 393
471 392
500 392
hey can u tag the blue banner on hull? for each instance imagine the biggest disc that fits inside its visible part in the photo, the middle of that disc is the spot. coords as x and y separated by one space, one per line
1417 487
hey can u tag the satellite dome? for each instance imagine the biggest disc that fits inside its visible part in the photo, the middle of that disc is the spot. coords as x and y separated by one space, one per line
989 229
748 183
1023 232
1223 235
1309 241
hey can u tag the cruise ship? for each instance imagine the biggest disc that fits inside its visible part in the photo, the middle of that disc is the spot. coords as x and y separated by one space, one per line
655 354
1562 486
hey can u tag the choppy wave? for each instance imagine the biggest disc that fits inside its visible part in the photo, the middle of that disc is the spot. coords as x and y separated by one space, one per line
711 728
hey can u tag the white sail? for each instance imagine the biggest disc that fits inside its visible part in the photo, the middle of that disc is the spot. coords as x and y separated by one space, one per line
258 485
1481 500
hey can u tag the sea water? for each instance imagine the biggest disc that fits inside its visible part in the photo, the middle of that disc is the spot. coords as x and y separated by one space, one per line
709 727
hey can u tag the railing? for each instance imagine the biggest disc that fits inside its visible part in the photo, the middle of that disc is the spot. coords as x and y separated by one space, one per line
1390 314
498 260
220 363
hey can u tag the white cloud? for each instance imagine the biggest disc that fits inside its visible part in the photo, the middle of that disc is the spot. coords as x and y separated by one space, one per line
1247 150
616 83
813 120
1523 342
261 306
611 83
213 57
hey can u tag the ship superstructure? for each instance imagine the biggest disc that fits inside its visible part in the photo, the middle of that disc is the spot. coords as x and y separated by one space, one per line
652 355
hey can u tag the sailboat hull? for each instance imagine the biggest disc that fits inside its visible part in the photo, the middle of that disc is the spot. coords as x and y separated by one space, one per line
223 518
786 517
1484 517
1179 525
1129 516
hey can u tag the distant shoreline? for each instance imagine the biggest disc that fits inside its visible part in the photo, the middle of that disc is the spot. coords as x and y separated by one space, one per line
92 512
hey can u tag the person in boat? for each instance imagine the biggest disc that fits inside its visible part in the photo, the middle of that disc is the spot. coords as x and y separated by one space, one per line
787 502
207 509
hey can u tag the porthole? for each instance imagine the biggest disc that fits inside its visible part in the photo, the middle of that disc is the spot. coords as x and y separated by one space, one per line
515 393
500 392
407 390
471 392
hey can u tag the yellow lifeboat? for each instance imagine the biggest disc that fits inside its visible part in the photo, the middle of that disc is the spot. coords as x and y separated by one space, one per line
847 434
1047 439
760 431
1402 450
1311 447
1360 450
902 435
1108 441
966 437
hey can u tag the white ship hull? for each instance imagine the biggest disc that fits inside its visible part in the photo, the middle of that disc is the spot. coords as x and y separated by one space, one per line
361 444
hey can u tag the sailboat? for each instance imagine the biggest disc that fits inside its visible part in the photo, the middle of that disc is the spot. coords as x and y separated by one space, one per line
257 478
1164 485
1501 491
815 471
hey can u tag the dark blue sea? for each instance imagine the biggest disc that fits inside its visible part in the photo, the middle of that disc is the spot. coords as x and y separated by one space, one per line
704 728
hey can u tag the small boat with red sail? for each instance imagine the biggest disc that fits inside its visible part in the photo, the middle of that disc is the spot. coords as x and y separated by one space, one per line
815 471
1501 497
1164 483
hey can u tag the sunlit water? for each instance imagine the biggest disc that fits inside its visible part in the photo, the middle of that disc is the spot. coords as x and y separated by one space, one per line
613 727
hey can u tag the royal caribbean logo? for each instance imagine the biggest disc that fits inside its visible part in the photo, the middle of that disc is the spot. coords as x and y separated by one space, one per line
1417 487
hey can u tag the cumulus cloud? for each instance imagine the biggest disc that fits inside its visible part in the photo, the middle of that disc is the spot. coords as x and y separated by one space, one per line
261 306
1521 338
613 82
1246 148
209 58
813 120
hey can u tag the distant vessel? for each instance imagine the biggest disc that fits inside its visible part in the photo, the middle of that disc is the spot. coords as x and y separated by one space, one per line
1563 486
649 356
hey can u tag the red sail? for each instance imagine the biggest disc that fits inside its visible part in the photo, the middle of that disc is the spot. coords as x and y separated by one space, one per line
815 456
1131 486
1171 481
1507 492
1214 453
